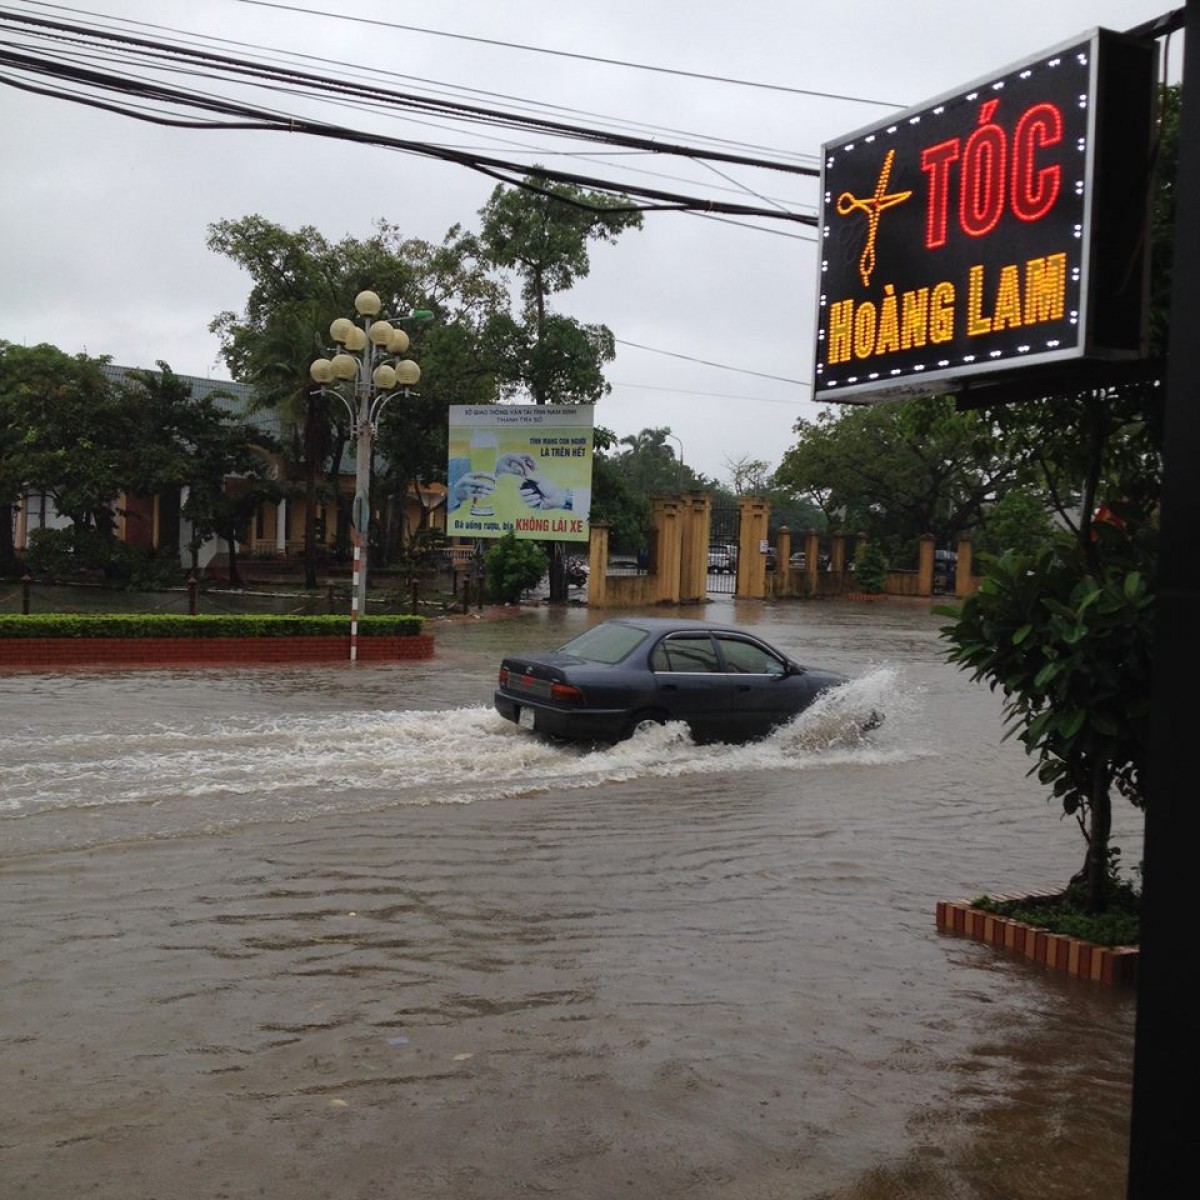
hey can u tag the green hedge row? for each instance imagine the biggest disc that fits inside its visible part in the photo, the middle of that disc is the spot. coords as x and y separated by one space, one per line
161 625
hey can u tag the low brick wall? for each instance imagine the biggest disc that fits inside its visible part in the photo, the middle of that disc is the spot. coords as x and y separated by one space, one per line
1103 964
42 653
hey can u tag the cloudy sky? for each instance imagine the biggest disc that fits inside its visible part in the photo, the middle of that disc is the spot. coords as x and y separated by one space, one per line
103 218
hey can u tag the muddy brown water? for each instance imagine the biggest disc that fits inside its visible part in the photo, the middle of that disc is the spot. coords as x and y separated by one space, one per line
342 932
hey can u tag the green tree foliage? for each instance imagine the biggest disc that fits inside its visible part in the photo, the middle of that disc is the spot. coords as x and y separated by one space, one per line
76 434
649 464
899 471
301 282
85 438
542 232
1070 647
1017 521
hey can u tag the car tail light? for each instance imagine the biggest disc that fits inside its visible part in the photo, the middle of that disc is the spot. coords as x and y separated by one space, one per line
504 677
565 693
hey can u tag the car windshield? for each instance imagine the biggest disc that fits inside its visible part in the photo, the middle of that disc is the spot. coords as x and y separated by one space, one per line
605 643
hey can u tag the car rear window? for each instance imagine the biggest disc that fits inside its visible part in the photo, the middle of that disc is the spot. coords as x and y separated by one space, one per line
605 643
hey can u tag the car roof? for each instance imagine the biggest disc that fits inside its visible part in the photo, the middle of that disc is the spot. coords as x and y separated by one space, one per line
664 624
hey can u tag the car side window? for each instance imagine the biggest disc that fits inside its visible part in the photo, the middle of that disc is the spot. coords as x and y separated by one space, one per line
685 652
748 658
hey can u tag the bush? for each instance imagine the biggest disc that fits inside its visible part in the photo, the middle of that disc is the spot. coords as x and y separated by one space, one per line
51 554
152 625
870 569
513 567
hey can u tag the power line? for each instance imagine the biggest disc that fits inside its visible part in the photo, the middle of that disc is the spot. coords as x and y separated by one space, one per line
290 80
280 56
706 363
611 62
650 387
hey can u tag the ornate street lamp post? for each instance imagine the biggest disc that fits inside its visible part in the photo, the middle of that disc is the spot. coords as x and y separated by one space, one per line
367 366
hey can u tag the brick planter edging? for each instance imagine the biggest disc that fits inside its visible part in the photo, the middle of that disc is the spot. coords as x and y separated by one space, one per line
1087 960
42 653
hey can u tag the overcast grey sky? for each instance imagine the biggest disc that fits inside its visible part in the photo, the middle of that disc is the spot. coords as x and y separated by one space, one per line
103 219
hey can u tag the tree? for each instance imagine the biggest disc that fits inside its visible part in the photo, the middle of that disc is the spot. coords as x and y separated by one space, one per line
300 283
192 447
899 471
649 464
70 434
749 476
1071 649
542 232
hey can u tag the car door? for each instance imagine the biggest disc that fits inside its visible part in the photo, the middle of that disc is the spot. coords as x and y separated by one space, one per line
691 684
764 693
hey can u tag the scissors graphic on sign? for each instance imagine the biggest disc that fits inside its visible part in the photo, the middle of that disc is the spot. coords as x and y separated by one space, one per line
873 206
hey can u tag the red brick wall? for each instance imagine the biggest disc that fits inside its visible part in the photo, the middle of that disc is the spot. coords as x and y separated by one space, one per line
39 653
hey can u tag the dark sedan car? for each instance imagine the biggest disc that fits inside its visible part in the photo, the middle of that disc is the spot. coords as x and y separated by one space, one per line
605 684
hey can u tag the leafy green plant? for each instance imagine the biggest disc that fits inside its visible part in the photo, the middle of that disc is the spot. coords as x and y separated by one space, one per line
513 567
176 625
1070 912
1069 642
870 569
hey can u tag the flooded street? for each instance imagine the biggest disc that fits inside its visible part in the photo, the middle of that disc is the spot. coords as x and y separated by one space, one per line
344 932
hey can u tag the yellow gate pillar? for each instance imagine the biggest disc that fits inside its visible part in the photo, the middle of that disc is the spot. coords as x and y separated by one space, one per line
753 515
783 561
666 516
812 560
925 566
964 583
696 521
598 566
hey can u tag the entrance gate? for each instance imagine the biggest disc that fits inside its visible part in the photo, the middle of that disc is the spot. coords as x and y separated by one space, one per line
723 547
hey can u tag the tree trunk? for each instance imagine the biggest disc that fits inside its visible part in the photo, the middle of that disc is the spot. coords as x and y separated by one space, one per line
235 580
1100 832
7 546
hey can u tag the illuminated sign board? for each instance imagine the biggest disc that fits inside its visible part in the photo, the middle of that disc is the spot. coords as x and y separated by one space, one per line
524 469
999 227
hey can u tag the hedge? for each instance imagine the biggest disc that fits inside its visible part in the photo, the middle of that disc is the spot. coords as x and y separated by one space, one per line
176 625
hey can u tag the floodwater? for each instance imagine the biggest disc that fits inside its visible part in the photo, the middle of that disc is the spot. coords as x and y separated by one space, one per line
342 931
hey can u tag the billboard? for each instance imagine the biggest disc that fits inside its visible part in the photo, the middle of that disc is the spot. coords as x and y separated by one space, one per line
524 469
999 227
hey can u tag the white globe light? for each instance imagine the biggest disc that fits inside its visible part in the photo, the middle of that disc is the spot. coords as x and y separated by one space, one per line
340 328
384 377
399 342
381 333
367 303
321 371
344 367
407 372
355 339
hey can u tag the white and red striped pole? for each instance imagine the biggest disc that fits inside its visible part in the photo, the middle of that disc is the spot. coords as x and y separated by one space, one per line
357 566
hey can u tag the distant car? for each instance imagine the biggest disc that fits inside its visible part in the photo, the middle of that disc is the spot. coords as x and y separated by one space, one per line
720 562
722 559
727 685
798 560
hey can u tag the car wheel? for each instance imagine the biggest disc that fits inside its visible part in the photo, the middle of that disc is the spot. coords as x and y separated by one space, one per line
644 720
